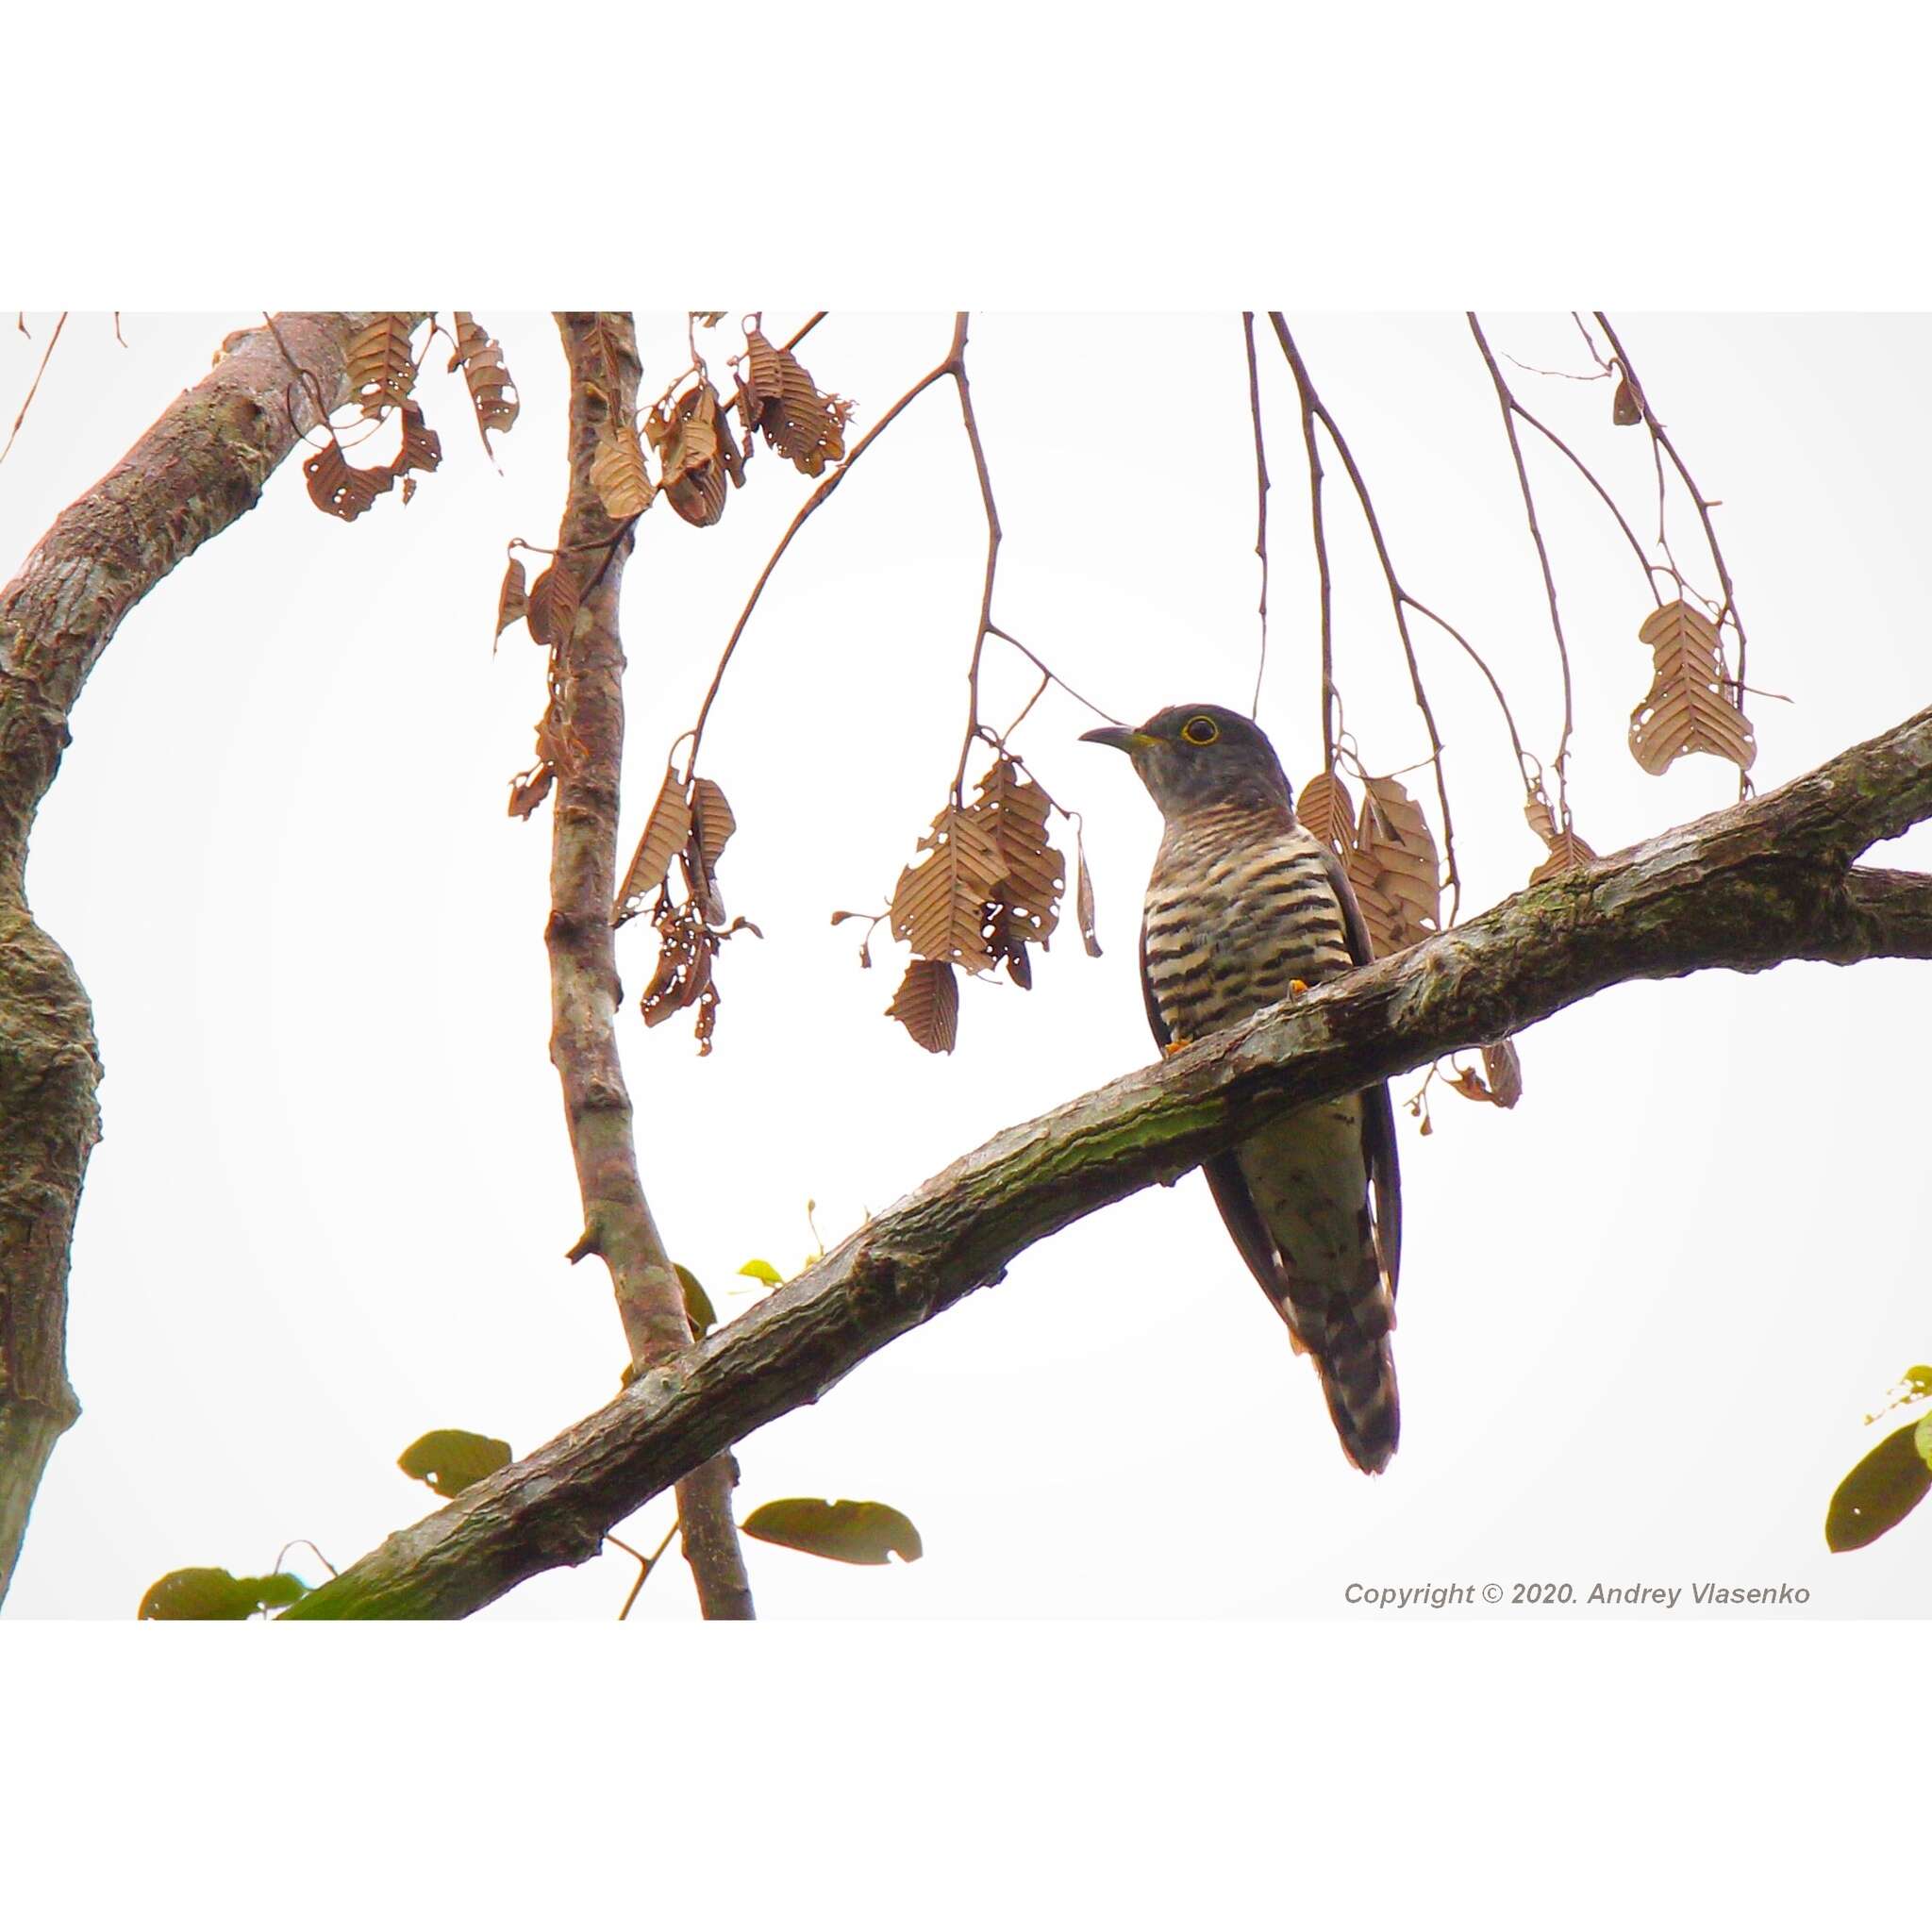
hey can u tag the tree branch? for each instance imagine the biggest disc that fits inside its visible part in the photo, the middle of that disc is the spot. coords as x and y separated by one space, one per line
1764 881
587 678
201 466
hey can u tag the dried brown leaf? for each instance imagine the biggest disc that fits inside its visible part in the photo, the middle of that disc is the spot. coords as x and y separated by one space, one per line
530 790
1504 1066
1033 872
1623 407
1567 852
939 906
1687 709
381 371
1005 940
712 818
777 396
512 600
1328 811
665 831
492 394
618 473
1394 868
553 605
335 487
683 978
1083 900
927 1005
696 452
422 448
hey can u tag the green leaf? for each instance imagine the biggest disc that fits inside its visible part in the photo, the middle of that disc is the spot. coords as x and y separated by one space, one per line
215 1596
698 1304
847 1532
1880 1492
1922 1439
763 1270
1919 1380
449 1460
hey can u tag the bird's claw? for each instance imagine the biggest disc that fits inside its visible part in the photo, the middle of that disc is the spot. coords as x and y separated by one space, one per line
1174 1046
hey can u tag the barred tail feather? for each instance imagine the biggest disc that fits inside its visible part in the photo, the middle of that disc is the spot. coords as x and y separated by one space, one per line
1358 1378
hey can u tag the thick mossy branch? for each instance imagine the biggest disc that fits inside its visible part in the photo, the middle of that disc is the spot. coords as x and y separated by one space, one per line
200 467
1746 889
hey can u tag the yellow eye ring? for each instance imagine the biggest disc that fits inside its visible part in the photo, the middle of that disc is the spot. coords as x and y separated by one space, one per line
1200 730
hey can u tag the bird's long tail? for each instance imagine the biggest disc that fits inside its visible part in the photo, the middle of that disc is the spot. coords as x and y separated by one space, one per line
1356 1363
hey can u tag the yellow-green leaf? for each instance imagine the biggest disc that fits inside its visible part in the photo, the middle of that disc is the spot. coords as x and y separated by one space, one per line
449 1460
763 1270
847 1532
698 1304
215 1596
1880 1492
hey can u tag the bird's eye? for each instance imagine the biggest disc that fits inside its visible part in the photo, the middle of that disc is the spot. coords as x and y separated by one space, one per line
1200 730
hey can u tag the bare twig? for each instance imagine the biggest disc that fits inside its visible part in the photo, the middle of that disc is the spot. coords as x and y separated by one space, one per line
1505 403
1046 670
1260 500
645 1564
46 356
587 716
1649 569
798 336
957 365
1313 408
832 480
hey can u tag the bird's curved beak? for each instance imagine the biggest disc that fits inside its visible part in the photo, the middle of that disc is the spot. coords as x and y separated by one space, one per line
1120 736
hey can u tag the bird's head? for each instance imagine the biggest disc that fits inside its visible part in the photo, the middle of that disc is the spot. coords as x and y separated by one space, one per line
1191 756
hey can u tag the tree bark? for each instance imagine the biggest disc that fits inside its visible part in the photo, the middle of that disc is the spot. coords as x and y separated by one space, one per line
1748 888
200 467
585 737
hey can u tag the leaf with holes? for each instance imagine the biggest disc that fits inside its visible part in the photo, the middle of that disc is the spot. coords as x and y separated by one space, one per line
213 1596
847 1532
1883 1489
449 1460
552 606
939 906
1082 900
513 599
335 487
1326 809
381 371
618 473
1686 709
777 396
1006 939
696 452
664 834
1033 873
927 1005
422 448
1503 1086
492 394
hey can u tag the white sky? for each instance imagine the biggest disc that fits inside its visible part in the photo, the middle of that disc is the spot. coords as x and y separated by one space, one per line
1641 1316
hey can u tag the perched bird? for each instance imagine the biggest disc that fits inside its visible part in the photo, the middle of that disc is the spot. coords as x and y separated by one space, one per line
1245 908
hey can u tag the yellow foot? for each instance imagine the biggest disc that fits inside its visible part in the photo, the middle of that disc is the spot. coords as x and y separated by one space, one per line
1174 1046
1296 988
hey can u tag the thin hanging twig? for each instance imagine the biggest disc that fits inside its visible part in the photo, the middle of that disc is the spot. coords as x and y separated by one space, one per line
47 356
1261 498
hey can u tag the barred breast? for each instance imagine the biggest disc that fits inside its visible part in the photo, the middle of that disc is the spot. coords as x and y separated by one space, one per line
1237 906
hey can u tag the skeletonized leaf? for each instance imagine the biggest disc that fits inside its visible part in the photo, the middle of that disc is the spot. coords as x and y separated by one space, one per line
492 394
939 906
618 473
215 1596
381 371
1687 709
927 1005
777 395
664 834
512 600
552 606
1394 868
449 1460
1033 873
1082 900
335 487
1326 809
1879 1493
847 1532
